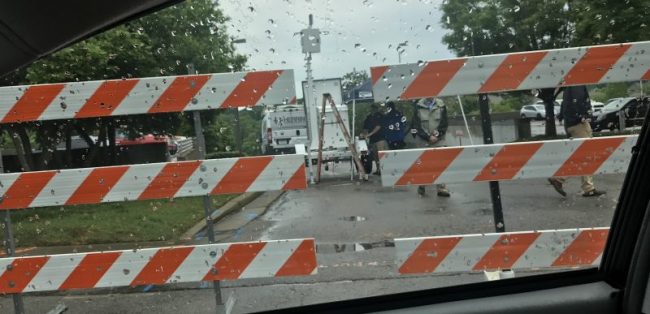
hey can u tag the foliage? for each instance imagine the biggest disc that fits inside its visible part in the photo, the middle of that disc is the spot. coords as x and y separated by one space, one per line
604 21
609 91
353 79
220 135
480 27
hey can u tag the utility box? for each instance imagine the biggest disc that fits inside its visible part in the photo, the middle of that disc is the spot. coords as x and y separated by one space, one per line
310 40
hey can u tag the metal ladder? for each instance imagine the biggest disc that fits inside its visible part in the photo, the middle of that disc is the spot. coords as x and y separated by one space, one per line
348 139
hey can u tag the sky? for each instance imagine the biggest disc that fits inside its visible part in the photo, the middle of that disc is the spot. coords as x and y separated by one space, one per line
358 34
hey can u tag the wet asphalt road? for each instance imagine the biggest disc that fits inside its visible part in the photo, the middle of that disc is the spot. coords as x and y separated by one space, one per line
354 224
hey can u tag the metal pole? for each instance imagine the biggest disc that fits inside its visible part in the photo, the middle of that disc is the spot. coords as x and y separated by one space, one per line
495 192
354 135
310 111
321 132
10 248
207 206
354 115
200 143
462 112
621 120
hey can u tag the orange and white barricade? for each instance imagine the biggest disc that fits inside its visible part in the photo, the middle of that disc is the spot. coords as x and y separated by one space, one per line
499 162
498 251
513 71
158 266
106 98
151 181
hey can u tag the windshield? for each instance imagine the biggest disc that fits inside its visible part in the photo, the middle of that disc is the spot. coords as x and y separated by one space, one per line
338 151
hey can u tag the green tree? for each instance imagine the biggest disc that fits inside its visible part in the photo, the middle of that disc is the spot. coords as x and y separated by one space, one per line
480 27
603 21
169 42
498 26
353 79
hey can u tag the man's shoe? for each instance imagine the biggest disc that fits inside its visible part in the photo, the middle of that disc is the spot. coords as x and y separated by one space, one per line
557 185
377 173
593 193
421 190
443 193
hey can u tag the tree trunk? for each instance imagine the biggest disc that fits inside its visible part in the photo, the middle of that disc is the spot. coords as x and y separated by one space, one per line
548 96
20 150
84 135
26 146
101 141
43 136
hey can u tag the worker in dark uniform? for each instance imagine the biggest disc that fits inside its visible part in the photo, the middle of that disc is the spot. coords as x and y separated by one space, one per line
428 128
394 127
575 110
373 132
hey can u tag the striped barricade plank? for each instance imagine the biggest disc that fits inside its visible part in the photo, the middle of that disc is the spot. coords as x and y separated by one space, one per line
495 251
514 71
499 162
151 181
157 266
79 100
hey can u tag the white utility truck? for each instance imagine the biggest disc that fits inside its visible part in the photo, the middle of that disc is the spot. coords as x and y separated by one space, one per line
283 127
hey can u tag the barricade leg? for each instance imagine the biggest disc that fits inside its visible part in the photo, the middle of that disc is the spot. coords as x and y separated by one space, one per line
207 207
488 138
10 248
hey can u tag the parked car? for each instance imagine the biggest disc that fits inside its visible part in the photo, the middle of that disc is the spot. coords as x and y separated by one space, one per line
534 111
634 111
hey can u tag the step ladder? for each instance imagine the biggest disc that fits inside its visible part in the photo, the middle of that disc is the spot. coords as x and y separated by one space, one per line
327 98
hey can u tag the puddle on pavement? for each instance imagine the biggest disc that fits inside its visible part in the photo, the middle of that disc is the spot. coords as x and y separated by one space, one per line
354 218
483 212
438 210
352 247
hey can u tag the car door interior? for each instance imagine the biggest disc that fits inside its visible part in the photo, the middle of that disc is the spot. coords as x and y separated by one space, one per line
31 29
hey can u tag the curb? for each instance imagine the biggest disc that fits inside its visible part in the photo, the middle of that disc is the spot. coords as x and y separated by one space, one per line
218 214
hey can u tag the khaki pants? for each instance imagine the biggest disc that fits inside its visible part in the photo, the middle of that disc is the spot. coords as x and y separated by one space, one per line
376 147
581 130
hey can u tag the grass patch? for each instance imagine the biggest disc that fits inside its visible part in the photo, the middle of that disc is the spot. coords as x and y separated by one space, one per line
138 221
